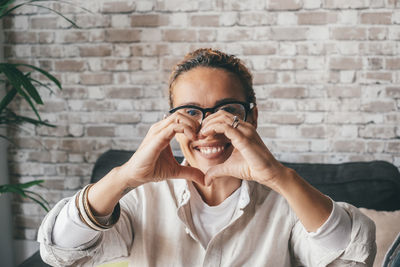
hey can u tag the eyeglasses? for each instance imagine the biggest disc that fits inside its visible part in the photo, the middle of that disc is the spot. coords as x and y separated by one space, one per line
237 108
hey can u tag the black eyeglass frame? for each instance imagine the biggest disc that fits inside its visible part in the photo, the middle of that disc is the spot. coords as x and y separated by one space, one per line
247 108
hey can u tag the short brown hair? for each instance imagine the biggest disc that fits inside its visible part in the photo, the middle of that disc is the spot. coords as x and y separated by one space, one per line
207 57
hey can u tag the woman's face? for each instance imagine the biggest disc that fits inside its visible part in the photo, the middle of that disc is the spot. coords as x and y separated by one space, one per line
205 87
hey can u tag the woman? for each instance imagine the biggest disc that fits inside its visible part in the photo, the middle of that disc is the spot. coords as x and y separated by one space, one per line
235 204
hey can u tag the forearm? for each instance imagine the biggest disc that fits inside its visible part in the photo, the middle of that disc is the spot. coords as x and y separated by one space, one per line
311 206
105 194
69 231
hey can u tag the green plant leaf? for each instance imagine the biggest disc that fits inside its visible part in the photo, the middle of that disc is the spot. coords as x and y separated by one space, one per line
45 73
7 99
8 139
38 202
9 117
8 11
27 98
41 84
20 189
10 76
12 188
58 13
37 195
25 82
30 184
16 79
4 5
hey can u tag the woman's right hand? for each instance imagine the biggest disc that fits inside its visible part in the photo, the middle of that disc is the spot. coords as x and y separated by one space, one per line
153 161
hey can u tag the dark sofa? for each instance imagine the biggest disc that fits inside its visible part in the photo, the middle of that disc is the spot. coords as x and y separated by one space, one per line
372 185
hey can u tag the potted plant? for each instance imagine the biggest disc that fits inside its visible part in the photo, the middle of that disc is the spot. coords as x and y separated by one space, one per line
19 82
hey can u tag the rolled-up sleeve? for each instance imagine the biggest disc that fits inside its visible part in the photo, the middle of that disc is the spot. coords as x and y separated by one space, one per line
105 246
360 250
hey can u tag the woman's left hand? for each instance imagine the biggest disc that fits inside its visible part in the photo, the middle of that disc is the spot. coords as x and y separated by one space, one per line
250 159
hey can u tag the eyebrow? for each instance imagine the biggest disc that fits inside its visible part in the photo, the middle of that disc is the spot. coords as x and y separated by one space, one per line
221 101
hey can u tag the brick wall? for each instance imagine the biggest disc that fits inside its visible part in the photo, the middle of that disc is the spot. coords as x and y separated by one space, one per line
326 76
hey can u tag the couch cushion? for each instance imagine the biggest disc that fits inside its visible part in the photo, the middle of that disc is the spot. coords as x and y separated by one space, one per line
34 261
387 228
373 185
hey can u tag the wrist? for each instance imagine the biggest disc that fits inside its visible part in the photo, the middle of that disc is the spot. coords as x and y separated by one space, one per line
282 180
123 176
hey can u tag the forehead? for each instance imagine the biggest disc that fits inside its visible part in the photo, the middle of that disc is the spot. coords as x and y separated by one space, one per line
205 86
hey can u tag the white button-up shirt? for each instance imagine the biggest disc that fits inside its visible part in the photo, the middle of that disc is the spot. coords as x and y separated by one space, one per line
156 229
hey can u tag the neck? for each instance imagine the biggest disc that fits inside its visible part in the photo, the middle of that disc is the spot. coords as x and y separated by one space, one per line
219 190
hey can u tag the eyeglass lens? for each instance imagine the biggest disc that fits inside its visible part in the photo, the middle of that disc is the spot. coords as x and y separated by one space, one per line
235 109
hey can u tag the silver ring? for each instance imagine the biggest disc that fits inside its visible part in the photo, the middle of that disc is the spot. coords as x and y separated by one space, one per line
235 122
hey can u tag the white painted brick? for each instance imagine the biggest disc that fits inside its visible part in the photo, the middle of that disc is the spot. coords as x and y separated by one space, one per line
20 22
178 20
310 77
396 17
319 145
122 50
312 4
125 130
125 105
94 64
287 49
348 17
23 51
318 33
144 6
377 3
315 118
394 33
95 93
348 48
228 18
315 63
287 132
151 117
347 76
259 63
120 21
287 18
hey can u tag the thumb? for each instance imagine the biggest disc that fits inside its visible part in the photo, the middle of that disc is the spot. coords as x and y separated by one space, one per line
190 173
216 172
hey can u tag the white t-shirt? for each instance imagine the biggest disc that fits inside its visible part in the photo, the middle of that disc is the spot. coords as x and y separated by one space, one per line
209 220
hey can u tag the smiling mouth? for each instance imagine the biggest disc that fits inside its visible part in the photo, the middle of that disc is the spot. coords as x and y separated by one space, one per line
212 151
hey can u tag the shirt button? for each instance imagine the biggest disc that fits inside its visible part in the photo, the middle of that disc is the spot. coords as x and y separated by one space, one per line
187 230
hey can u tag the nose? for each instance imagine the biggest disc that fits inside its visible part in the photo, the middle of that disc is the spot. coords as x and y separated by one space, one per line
205 114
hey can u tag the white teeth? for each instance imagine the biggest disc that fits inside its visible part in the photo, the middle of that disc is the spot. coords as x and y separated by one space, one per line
211 150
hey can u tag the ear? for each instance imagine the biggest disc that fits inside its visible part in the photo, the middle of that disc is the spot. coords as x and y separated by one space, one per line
253 116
